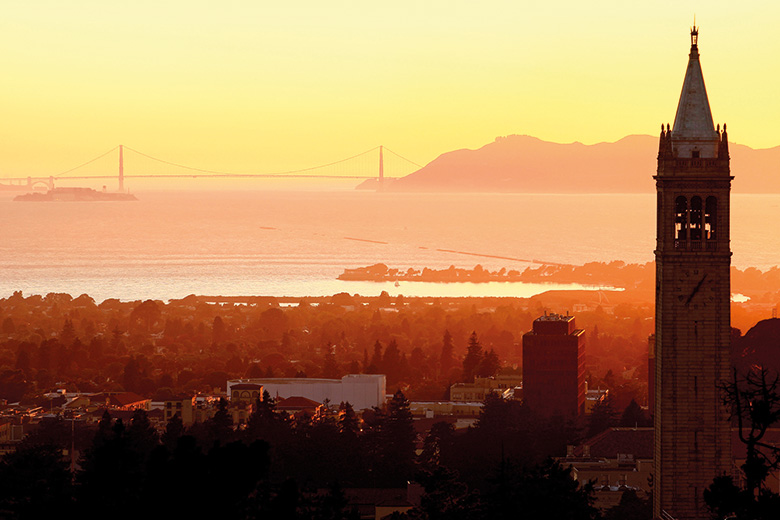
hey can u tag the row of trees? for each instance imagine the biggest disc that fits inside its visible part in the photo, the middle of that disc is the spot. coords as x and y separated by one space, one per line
188 344
278 467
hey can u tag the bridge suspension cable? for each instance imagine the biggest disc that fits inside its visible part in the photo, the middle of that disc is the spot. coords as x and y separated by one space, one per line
86 163
402 157
288 172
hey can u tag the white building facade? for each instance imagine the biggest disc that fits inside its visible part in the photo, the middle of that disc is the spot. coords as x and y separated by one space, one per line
362 391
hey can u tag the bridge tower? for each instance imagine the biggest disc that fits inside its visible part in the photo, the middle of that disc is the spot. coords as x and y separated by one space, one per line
381 169
121 169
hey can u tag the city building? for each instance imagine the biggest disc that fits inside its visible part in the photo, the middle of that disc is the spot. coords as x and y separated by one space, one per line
692 316
508 386
615 460
248 392
362 391
554 367
183 405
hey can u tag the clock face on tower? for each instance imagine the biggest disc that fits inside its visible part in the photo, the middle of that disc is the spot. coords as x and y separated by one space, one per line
695 289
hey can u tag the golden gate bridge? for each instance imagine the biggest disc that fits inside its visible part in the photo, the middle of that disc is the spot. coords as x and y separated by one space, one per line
361 163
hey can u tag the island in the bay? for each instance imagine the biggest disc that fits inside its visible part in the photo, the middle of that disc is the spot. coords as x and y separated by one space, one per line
75 195
593 273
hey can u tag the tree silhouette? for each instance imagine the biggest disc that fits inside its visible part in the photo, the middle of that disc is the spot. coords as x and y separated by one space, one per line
398 440
36 483
754 401
602 416
446 359
473 358
488 365
173 431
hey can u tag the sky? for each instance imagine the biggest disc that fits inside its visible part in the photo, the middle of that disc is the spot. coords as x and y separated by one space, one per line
257 86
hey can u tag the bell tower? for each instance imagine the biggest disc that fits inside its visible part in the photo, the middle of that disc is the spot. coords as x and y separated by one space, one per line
692 314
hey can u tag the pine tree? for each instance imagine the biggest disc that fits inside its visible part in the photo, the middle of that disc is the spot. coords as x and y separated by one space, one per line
489 365
446 359
220 427
398 437
173 431
217 330
473 358
391 362
330 368
602 416
348 420
376 360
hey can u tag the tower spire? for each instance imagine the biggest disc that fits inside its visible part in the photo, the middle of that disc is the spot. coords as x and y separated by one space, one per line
694 132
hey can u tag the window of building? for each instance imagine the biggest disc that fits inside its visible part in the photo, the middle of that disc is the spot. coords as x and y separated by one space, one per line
710 218
681 218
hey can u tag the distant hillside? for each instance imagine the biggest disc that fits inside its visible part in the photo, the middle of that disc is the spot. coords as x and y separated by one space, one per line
521 163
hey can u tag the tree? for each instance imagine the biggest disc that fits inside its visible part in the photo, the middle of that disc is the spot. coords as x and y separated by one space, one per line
446 497
489 365
141 435
217 330
545 491
68 333
727 500
112 474
23 362
446 359
36 483
330 368
132 375
8 326
264 423
473 358
391 362
631 507
754 401
13 385
602 416
220 426
438 447
347 420
398 440
633 415
375 367
145 315
173 431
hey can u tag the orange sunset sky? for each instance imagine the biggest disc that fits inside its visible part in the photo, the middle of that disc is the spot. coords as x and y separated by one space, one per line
267 86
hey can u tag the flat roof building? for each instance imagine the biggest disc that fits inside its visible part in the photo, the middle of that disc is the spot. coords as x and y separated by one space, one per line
362 391
554 367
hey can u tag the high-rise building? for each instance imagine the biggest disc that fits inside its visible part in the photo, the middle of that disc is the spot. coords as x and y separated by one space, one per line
554 367
692 436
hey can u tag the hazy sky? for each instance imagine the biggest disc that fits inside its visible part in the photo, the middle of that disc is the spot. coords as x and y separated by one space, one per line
263 86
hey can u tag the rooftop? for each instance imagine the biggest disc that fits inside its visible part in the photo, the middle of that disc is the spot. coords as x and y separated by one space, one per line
554 317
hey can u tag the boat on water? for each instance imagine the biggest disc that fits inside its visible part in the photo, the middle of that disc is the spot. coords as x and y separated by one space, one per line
75 195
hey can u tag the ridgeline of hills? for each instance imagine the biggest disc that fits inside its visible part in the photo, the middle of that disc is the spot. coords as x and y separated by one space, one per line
521 163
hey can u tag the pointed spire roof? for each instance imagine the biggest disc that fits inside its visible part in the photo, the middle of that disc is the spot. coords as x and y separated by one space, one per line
693 121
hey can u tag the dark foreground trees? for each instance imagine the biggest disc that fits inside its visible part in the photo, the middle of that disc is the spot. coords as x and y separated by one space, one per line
754 401
276 466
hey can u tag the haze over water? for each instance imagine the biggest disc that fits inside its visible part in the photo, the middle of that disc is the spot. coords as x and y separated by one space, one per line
279 243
